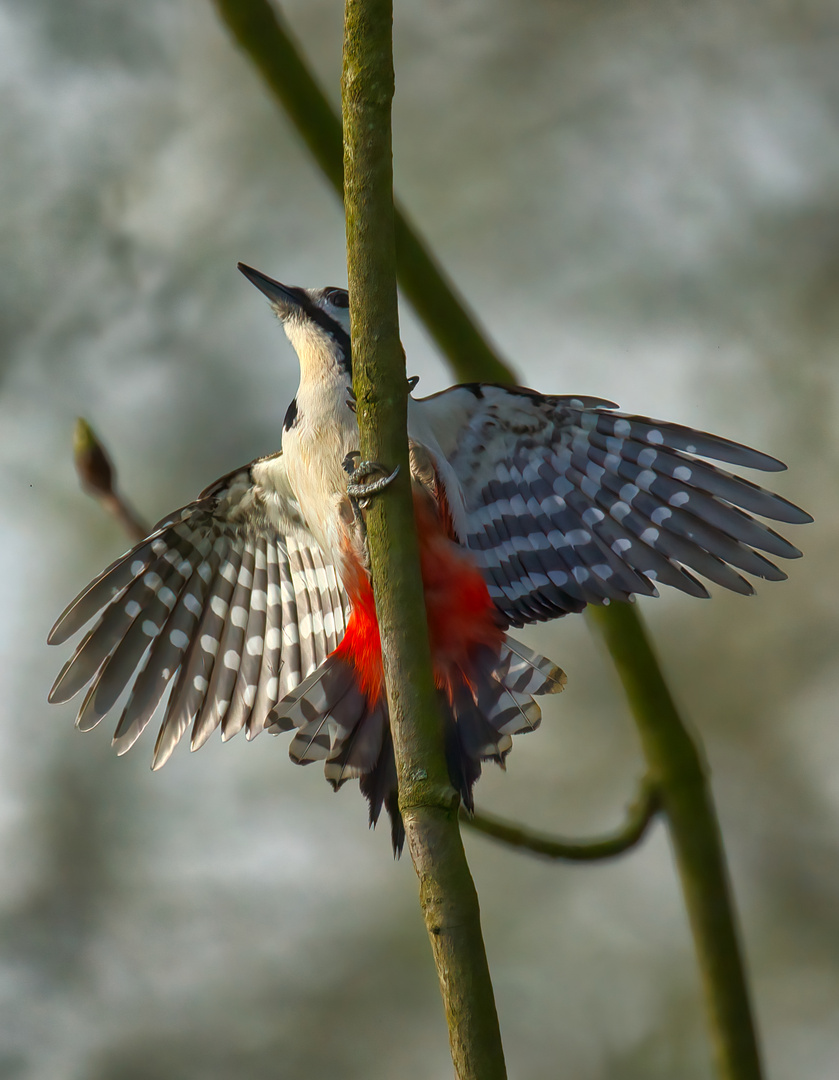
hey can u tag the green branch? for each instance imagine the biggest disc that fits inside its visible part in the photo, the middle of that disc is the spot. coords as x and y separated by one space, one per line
638 820
261 32
427 800
678 770
673 758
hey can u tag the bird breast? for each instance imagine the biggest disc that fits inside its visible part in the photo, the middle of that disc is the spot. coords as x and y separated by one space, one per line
314 450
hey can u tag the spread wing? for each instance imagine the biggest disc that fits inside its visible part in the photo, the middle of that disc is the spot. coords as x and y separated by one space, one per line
568 502
230 600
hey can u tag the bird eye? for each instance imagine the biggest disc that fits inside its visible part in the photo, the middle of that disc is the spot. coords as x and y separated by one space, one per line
338 297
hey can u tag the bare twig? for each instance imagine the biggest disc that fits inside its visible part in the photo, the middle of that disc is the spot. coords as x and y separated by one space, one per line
640 816
98 478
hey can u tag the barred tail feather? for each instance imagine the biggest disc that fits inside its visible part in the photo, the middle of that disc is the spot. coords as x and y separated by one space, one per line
362 747
525 671
338 723
380 788
500 705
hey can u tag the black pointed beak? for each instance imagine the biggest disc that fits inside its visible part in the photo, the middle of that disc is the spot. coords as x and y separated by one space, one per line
284 300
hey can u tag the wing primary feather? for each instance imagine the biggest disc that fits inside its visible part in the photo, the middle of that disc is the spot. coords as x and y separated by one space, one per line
192 681
314 588
102 590
274 649
219 692
673 519
122 611
161 593
660 518
642 531
703 476
164 660
204 657
305 624
630 526
655 433
675 495
253 645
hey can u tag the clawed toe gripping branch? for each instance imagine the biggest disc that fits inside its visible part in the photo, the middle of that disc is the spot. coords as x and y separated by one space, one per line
361 486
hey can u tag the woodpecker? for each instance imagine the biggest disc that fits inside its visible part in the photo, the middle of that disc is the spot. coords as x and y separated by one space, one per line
253 605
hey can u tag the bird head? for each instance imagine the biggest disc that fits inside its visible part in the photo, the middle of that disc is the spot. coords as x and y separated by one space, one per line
317 321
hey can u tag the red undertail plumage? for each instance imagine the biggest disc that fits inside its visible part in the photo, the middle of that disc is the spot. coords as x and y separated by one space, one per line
462 619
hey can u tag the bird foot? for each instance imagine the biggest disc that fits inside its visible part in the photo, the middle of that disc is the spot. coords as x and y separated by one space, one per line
362 486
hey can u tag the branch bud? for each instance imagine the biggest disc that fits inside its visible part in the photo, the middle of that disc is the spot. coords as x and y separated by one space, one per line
92 463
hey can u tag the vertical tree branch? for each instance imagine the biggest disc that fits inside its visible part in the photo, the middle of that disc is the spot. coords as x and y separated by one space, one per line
426 799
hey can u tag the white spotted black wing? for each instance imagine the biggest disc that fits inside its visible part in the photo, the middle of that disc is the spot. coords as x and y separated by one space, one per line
230 602
568 502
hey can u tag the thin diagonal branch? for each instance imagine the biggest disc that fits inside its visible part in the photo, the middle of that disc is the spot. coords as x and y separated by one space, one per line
678 769
640 816
262 33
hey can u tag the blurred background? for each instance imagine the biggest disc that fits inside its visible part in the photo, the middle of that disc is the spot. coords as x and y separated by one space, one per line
641 201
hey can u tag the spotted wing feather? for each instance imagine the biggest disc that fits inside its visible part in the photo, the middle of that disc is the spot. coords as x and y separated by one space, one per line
566 501
230 602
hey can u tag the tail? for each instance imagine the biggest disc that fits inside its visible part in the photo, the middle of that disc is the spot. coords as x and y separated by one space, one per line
338 723
482 719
